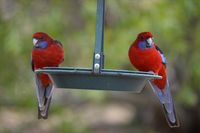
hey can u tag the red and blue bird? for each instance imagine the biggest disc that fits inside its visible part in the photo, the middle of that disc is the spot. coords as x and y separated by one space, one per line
46 52
145 55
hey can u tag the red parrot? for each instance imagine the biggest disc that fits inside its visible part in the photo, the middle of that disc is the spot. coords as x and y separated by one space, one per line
146 56
46 52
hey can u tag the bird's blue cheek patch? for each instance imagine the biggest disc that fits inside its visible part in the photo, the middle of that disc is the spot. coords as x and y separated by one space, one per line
42 44
142 45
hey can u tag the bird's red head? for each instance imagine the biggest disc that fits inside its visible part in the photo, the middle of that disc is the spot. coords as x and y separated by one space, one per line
144 40
144 36
38 36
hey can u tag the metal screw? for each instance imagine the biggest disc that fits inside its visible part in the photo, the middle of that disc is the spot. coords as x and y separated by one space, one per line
97 56
96 66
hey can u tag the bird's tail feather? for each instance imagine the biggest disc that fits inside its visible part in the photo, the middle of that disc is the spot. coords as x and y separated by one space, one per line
44 95
48 95
171 118
40 91
44 113
163 95
165 98
49 91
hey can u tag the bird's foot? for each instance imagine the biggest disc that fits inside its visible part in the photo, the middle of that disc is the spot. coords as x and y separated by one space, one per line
151 72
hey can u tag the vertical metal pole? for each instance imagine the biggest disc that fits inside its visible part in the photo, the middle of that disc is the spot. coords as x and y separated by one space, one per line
98 59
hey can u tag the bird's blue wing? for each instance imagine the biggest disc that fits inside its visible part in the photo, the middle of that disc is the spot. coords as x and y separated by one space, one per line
164 59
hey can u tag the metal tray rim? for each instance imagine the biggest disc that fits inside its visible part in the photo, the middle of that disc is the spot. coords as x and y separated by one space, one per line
88 71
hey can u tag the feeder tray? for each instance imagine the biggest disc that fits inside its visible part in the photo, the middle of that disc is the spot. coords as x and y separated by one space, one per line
98 78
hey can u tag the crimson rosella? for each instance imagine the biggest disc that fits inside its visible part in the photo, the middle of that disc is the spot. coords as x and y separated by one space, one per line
46 52
146 56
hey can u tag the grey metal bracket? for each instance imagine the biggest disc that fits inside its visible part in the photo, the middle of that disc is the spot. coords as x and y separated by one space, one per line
98 57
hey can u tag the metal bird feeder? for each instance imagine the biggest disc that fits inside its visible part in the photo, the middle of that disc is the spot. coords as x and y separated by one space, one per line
98 78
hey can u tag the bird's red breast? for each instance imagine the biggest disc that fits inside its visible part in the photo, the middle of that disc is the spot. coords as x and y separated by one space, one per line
145 60
51 56
148 60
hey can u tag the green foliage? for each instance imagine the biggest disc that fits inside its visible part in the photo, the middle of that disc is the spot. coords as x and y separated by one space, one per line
69 127
175 25
187 97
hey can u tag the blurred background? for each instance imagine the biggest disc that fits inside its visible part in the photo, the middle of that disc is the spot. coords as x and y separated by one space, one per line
176 29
